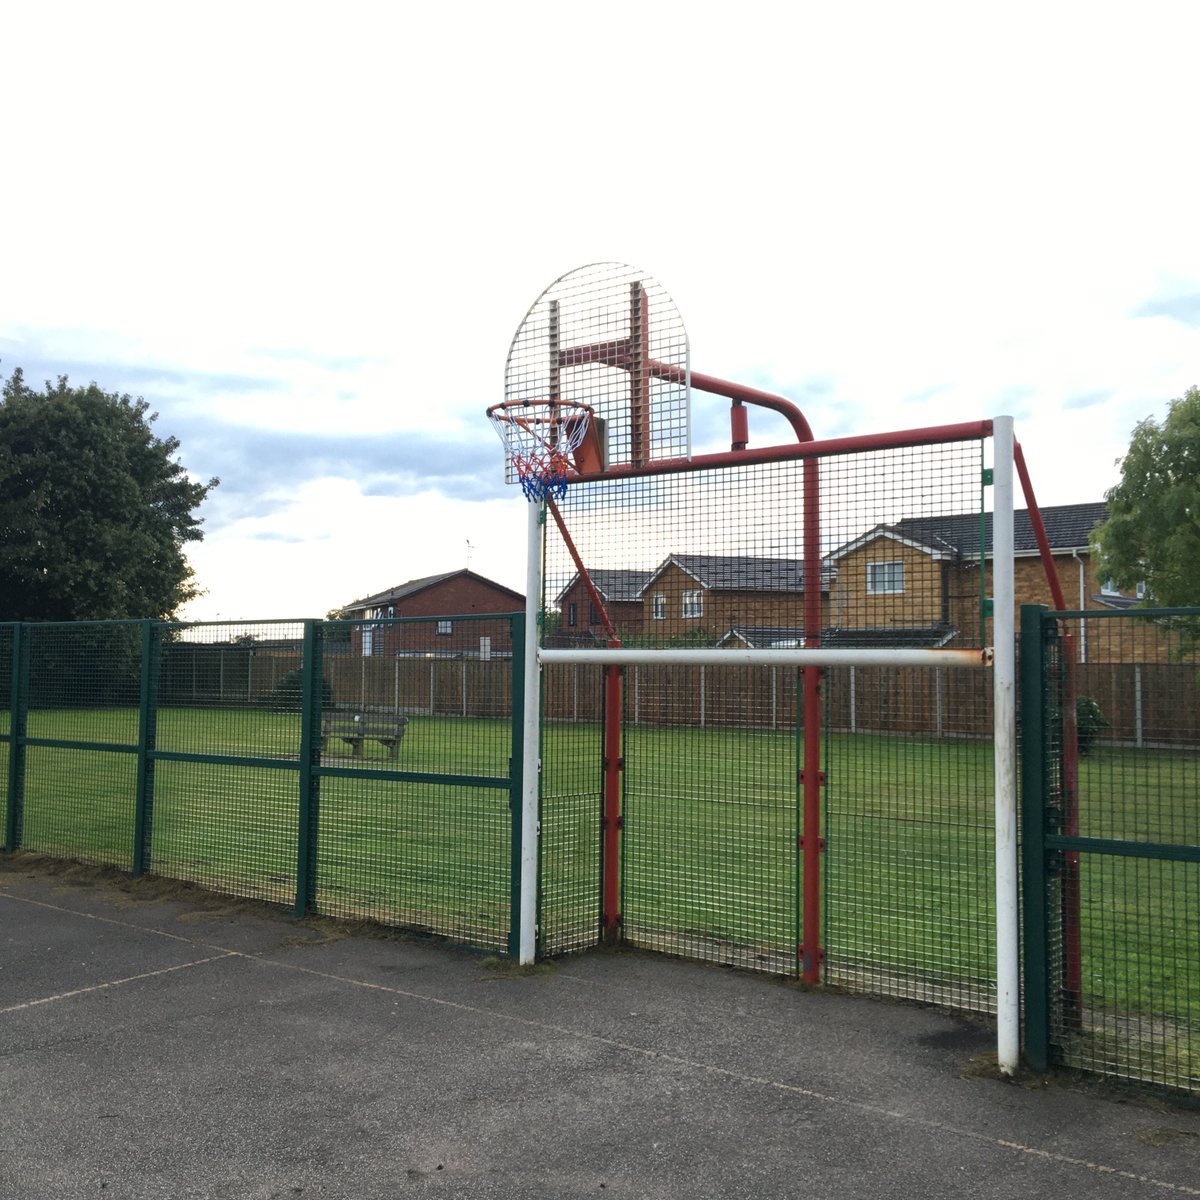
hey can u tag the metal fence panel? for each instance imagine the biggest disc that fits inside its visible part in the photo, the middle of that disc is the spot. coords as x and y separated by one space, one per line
231 829
570 842
275 760
710 820
909 836
80 804
1113 902
425 857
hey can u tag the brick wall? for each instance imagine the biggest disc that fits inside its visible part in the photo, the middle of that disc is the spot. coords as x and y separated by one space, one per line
462 594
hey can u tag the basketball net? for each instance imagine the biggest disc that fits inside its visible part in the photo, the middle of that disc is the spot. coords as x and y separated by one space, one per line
541 436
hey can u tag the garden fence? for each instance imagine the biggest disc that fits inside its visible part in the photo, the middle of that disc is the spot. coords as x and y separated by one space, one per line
1111 799
228 755
206 753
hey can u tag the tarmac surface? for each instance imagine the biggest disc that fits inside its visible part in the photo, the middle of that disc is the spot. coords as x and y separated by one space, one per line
160 1042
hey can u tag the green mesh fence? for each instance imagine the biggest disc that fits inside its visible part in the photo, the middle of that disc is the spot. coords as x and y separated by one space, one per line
909 862
8 634
361 769
418 832
80 804
77 700
710 815
1119 824
426 857
712 867
572 755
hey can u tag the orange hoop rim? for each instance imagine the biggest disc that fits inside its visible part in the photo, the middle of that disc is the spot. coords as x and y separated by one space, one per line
506 410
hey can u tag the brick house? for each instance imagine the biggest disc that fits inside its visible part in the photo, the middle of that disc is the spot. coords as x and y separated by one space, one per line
441 598
706 595
621 593
924 573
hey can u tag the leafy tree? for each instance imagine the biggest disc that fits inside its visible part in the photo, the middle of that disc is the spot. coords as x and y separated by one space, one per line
1153 528
94 509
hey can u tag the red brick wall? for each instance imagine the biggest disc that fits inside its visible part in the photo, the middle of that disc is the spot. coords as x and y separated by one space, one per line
625 615
460 595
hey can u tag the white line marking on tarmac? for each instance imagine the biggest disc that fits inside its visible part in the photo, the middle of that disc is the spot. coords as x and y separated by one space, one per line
643 1051
112 983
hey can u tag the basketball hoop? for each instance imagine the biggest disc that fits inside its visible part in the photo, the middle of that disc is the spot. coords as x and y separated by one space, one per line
541 437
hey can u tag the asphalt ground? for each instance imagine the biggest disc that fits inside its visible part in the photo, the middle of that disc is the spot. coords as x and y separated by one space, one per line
160 1042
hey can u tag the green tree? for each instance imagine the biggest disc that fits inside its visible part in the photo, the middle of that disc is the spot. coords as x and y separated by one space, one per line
1153 529
94 509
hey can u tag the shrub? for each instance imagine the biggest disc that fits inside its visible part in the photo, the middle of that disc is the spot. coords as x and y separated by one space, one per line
1089 721
286 695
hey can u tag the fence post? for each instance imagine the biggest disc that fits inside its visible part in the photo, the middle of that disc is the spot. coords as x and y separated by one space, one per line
17 727
516 762
1138 735
143 818
310 762
1033 835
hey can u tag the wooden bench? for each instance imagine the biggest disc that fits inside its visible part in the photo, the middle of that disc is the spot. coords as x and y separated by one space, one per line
358 727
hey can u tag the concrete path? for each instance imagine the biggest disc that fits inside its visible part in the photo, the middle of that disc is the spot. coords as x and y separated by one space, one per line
176 1045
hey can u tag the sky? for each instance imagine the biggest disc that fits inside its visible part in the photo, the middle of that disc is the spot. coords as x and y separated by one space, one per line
307 233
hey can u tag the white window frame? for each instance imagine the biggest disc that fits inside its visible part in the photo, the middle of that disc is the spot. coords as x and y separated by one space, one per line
444 627
658 607
693 603
874 570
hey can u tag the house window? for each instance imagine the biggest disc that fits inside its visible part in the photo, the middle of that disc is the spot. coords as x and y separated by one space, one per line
693 603
1141 590
368 636
445 627
1109 588
885 578
658 607
593 615
572 614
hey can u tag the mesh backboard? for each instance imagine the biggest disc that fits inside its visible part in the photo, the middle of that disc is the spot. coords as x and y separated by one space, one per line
607 335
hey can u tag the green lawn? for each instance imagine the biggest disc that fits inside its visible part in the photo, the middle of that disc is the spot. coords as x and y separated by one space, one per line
710 864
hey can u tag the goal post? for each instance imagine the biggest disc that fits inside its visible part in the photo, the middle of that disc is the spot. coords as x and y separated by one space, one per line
880 552
1004 684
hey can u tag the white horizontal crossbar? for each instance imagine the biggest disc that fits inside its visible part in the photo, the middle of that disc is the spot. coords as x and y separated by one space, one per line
813 656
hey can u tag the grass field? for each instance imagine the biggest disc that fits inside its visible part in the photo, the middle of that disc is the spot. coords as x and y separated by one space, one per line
710 864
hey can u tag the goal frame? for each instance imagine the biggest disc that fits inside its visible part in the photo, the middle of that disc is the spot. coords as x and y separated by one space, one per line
1000 658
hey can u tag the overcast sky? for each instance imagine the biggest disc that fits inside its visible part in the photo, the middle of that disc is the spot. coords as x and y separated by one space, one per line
307 233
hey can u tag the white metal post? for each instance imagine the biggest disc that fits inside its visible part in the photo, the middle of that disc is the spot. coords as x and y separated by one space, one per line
531 749
1008 965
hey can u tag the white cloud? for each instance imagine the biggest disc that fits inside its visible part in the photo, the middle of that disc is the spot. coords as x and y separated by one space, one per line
328 544
311 220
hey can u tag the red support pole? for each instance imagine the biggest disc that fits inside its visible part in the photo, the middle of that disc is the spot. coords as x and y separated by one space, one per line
613 763
739 426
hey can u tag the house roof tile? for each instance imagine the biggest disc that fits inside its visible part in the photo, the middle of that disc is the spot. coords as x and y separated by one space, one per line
404 590
743 573
1067 528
